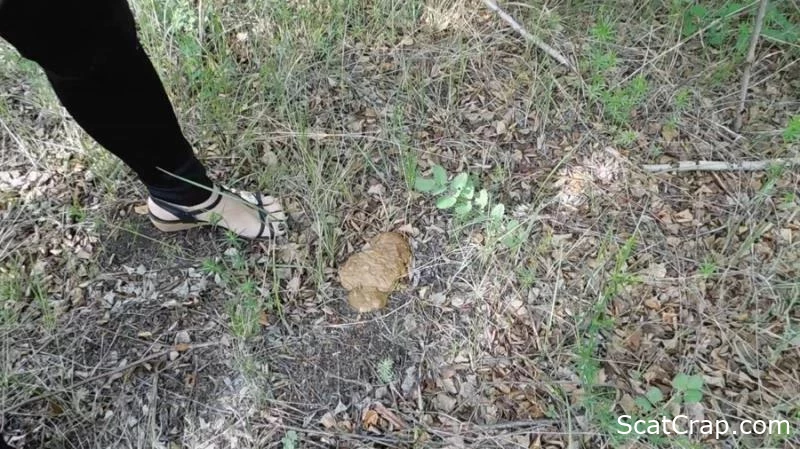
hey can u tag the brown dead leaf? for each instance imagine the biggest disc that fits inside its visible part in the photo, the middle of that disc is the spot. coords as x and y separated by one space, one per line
183 347
263 319
684 216
293 286
653 274
369 418
389 415
328 421
376 189
652 303
669 132
408 229
55 409
369 276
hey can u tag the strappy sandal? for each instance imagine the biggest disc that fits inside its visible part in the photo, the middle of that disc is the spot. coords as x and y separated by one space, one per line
228 209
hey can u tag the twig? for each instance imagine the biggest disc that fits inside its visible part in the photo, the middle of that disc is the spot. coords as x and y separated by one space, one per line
720 165
143 360
748 65
555 54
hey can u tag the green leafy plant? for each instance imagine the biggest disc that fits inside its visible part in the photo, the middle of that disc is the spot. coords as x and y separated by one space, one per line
682 100
603 30
651 399
290 440
461 195
626 138
690 388
619 103
508 231
457 194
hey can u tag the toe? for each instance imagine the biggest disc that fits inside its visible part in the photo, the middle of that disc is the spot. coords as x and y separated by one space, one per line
273 207
278 228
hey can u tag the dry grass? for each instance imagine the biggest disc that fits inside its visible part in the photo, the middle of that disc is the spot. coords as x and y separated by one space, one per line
623 281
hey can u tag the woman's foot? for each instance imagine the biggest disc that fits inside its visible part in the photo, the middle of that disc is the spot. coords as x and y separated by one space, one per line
248 215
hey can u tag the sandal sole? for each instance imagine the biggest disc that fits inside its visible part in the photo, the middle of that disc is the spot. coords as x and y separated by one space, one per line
175 227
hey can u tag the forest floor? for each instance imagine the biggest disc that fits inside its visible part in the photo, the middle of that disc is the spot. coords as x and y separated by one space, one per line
598 289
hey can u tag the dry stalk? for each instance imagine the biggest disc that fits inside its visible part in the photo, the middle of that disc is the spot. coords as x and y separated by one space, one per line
552 52
748 65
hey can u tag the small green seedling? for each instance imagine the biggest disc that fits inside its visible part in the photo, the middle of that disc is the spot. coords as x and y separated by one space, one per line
290 440
511 232
651 399
386 370
707 269
792 132
458 194
691 387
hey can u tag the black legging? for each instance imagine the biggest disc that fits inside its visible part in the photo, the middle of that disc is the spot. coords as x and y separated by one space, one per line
98 69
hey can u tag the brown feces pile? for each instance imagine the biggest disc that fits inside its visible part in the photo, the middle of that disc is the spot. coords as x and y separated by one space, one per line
370 275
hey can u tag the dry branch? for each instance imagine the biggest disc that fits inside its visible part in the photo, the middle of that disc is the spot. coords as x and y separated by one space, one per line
552 52
748 65
683 166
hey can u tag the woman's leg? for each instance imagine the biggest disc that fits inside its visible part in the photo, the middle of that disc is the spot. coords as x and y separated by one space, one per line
92 57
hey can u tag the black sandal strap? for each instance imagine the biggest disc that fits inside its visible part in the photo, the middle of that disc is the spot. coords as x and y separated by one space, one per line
262 217
184 216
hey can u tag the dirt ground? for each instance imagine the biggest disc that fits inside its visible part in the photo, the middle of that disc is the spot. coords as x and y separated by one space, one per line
604 289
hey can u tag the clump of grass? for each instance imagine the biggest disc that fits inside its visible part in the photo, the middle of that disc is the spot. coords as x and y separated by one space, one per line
247 304
11 294
617 101
17 288
726 28
598 402
385 370
791 134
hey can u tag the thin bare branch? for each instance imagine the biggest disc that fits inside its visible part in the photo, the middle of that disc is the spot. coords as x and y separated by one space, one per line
552 52
748 65
684 166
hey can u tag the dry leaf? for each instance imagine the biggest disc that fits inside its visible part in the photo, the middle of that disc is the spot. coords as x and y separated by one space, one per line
408 229
263 318
684 216
182 347
293 286
376 189
669 132
444 402
190 380
653 274
327 420
369 418
389 415
183 337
